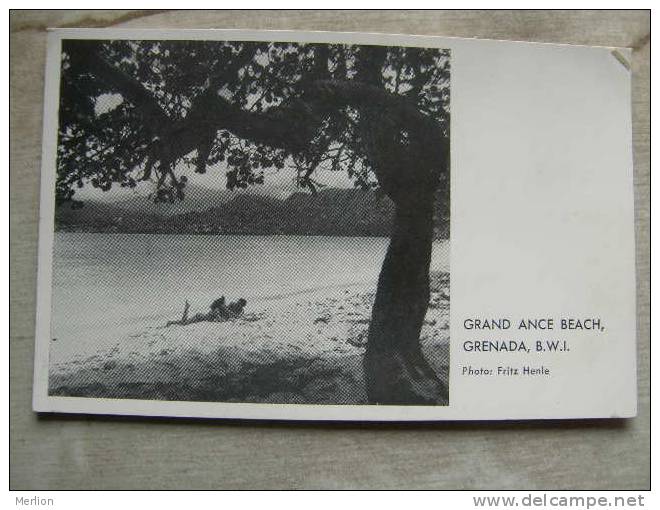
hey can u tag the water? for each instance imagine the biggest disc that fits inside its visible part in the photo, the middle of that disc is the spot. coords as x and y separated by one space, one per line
106 283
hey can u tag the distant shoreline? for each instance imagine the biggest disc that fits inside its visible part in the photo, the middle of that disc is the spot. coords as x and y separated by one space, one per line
332 212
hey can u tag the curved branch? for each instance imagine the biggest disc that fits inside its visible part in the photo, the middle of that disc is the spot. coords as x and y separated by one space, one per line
87 58
361 95
290 126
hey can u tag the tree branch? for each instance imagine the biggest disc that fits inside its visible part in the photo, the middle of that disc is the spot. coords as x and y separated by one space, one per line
290 126
89 59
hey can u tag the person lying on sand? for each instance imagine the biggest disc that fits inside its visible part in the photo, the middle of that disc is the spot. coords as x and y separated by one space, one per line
219 312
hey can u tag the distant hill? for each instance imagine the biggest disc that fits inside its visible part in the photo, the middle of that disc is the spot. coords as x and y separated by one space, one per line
347 212
333 211
197 198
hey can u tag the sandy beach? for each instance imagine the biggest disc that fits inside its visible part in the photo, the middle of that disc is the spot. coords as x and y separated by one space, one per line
305 348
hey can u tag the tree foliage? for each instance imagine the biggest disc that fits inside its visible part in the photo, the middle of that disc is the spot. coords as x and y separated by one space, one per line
133 111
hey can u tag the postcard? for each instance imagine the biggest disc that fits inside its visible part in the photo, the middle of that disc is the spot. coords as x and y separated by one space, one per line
334 226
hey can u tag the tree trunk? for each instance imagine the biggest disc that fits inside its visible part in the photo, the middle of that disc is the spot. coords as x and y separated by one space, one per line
395 369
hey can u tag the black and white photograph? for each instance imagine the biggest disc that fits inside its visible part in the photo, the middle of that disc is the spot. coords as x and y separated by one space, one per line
335 250
251 222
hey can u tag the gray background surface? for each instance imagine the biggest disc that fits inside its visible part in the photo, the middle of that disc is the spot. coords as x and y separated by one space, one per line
73 452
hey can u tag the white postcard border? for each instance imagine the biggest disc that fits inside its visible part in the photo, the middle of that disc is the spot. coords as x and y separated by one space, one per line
42 402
